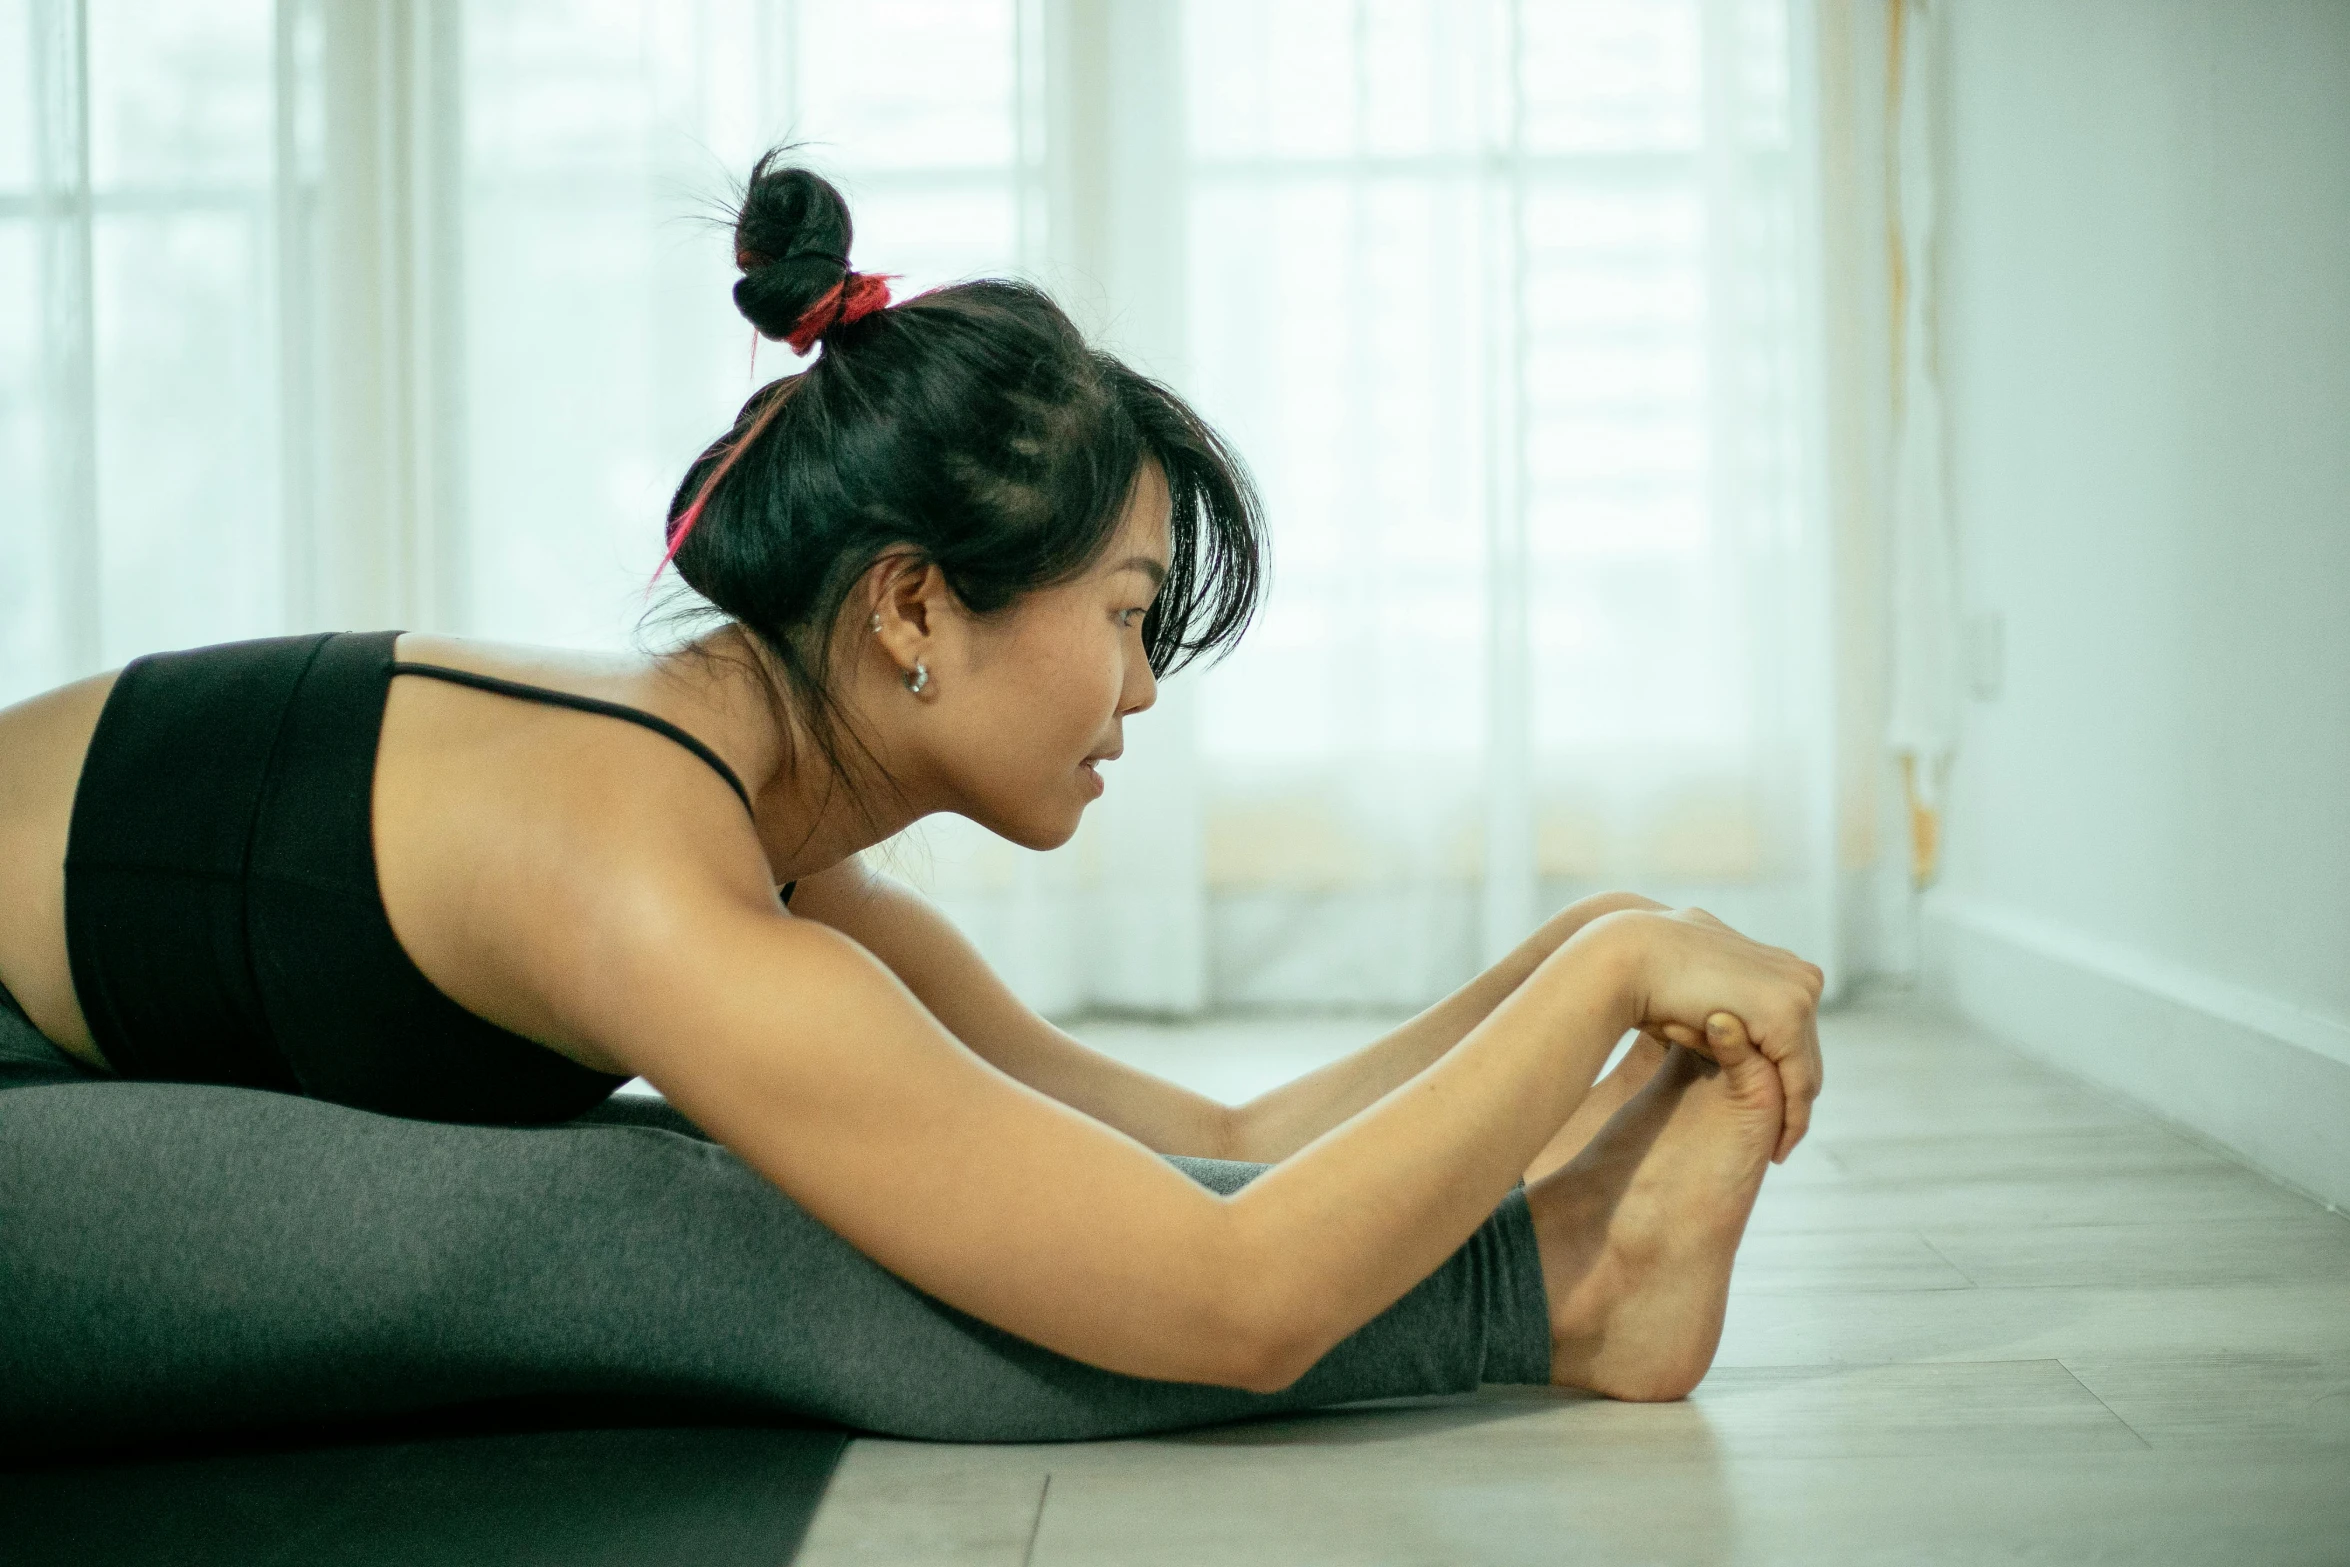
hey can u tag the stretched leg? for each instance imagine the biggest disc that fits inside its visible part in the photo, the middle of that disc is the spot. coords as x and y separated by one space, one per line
1639 1229
180 1257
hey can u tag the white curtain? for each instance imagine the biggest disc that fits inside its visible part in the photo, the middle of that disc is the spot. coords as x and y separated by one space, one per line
1510 312
400 312
140 501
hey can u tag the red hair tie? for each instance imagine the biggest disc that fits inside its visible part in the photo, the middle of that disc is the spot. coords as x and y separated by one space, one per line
856 296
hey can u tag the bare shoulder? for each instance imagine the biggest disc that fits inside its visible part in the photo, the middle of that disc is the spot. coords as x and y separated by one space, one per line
661 970
564 668
519 843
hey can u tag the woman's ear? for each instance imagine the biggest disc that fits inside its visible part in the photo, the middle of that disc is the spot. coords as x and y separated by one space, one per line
904 592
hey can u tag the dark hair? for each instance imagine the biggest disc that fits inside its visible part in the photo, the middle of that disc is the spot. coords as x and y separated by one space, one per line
971 426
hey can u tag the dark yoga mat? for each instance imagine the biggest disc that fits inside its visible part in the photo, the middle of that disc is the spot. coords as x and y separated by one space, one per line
489 1486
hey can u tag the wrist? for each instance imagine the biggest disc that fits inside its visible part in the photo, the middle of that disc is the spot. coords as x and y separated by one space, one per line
1613 946
1583 911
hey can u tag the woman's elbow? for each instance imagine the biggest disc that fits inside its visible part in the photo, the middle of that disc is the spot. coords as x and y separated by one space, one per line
1257 1382
1266 1333
1273 1368
1209 1330
1241 1323
1254 1357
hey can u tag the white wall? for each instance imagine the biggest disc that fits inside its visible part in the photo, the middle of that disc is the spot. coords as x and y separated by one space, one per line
2146 350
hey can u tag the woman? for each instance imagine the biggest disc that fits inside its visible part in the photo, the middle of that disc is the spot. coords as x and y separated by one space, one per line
319 981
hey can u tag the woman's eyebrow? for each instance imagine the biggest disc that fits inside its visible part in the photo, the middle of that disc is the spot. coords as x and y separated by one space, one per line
1145 563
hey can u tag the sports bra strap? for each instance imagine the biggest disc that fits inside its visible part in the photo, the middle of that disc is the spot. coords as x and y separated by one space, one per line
586 704
589 704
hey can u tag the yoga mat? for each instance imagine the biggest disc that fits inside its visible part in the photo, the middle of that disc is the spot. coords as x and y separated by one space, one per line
489 1485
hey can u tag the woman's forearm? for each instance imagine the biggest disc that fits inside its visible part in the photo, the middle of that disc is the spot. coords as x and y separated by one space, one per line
1337 1232
1277 1123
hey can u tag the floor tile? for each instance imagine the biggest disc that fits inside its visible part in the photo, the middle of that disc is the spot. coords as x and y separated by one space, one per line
921 1504
2203 1196
1955 1105
2227 1401
1841 1261
2011 1156
2138 1507
2313 1248
1952 1408
1783 1329
1971 1408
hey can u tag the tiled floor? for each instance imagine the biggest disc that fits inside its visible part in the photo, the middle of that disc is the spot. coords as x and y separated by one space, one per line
1985 1314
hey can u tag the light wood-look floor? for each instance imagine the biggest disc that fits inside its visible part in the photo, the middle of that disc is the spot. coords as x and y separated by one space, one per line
1985 1314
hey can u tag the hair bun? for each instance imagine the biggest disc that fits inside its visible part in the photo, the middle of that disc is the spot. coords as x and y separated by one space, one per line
791 239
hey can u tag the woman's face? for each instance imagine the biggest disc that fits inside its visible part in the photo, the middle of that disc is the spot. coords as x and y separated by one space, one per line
1036 694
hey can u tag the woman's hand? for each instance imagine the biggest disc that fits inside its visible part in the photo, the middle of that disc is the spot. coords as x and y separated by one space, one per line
1687 966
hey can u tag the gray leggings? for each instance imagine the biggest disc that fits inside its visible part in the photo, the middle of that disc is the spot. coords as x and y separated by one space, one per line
179 1257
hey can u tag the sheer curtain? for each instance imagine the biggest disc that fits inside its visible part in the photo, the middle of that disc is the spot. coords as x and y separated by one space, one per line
140 454
601 349
402 312
1509 304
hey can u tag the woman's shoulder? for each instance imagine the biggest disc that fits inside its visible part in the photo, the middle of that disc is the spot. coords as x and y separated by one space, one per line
587 669
518 839
552 797
577 704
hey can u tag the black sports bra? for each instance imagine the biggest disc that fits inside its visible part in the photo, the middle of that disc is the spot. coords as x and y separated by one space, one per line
223 919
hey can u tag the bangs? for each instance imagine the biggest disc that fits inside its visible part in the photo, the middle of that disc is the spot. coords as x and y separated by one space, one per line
1218 548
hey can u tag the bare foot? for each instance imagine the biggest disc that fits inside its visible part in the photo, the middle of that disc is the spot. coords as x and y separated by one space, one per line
1638 1231
1607 1096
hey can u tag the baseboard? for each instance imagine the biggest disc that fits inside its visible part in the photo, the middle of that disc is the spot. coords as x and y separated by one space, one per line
2267 1081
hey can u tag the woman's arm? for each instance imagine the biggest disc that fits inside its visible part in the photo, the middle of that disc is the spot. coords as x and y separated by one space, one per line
1275 1124
948 976
805 1055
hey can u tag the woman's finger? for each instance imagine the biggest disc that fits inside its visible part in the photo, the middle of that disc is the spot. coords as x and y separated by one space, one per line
1799 1078
1727 1038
